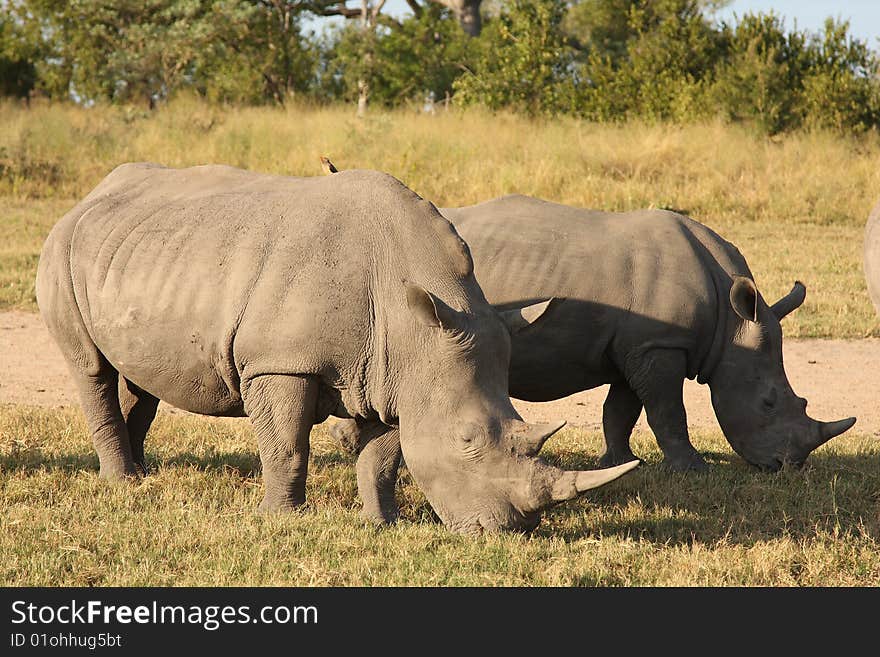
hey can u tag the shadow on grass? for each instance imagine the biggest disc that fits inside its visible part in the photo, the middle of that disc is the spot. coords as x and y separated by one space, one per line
243 464
834 494
838 495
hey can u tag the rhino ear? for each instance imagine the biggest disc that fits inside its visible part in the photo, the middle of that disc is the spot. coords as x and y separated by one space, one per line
517 319
744 298
430 310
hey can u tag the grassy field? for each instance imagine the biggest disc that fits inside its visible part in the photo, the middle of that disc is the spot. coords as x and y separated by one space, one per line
192 522
796 206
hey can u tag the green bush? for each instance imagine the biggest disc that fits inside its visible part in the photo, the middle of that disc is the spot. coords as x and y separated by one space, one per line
409 59
523 62
668 61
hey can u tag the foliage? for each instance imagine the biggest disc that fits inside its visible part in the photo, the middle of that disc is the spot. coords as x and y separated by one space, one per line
523 61
607 60
142 51
760 77
840 88
414 58
18 73
669 53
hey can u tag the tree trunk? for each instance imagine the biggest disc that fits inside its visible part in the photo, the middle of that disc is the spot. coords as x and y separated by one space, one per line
469 17
467 12
363 83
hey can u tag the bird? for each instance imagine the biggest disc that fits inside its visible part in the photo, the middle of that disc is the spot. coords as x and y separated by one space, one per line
327 165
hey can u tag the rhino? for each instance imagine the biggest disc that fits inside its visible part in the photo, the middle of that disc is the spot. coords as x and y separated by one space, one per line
641 301
231 293
872 256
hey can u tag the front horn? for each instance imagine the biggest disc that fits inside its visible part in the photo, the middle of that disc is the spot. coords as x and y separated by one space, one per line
572 483
791 301
828 430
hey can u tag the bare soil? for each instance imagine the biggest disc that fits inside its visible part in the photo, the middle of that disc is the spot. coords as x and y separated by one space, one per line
840 378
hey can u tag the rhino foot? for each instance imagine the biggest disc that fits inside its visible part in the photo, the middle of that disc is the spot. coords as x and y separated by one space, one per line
119 474
380 517
688 463
610 459
279 506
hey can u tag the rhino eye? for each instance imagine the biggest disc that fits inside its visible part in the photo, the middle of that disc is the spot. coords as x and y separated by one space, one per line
769 401
470 442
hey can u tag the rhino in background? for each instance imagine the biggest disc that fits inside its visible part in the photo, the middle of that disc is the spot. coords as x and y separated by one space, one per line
641 301
226 292
872 256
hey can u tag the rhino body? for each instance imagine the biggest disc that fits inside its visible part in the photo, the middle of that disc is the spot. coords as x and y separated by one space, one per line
872 256
641 301
226 292
645 299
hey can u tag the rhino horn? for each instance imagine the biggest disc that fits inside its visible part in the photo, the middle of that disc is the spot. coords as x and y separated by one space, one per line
828 430
530 441
791 301
517 319
572 483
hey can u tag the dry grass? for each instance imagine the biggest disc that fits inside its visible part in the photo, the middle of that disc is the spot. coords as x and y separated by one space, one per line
193 522
795 206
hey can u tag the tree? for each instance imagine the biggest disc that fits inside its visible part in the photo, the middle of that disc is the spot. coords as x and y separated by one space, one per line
840 87
414 57
18 56
523 63
129 50
259 53
761 76
657 65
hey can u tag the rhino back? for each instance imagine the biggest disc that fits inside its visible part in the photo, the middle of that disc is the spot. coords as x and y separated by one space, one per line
630 281
190 280
872 256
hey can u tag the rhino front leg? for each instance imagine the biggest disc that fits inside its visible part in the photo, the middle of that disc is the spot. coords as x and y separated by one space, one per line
619 415
282 411
138 410
379 455
658 381
377 466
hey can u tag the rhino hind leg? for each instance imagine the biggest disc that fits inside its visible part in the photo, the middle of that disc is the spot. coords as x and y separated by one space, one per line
377 466
139 410
619 415
282 409
658 380
99 398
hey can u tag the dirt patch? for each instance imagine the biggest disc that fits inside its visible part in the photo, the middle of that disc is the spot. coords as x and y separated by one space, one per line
839 378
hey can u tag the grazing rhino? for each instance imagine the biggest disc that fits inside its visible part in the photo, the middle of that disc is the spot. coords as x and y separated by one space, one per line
872 256
641 301
231 293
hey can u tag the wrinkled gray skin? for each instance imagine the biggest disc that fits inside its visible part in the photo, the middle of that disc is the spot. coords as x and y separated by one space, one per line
641 301
225 292
872 256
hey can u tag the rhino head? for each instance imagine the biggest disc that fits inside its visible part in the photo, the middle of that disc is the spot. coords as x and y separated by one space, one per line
762 418
466 447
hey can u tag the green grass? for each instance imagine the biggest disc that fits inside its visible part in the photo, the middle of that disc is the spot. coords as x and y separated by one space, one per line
193 521
795 206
